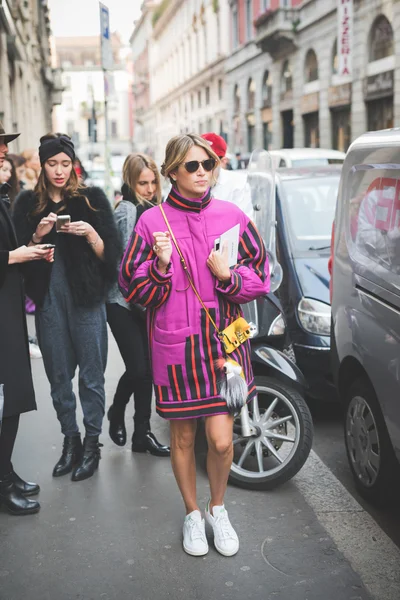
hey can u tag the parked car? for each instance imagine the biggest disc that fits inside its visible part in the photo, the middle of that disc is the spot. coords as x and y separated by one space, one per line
306 202
306 157
366 311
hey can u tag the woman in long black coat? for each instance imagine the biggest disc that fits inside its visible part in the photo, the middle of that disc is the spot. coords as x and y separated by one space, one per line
16 387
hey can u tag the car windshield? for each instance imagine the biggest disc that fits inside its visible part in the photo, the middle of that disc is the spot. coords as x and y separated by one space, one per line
309 209
311 162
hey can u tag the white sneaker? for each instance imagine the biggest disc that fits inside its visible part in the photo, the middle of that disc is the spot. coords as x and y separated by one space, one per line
34 351
194 534
226 540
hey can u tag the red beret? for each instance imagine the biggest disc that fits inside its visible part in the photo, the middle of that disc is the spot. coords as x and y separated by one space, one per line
217 143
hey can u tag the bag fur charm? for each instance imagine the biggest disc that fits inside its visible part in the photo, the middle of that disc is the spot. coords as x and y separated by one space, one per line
233 386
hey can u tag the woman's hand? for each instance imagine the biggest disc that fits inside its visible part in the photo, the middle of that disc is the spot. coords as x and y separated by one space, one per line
27 253
163 249
44 227
79 228
218 264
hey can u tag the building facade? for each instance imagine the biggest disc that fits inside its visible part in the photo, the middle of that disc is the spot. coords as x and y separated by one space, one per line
82 112
29 85
188 45
285 86
142 114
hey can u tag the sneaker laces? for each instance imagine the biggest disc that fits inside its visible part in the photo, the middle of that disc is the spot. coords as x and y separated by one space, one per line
225 528
195 529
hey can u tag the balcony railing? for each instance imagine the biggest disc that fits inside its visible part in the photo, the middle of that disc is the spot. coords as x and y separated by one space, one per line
276 31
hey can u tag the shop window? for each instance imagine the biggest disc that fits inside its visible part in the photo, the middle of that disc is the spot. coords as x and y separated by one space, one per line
251 95
199 99
207 95
236 99
286 78
381 39
311 67
335 59
267 89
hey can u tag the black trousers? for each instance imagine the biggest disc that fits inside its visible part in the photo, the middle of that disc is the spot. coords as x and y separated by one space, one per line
8 434
129 331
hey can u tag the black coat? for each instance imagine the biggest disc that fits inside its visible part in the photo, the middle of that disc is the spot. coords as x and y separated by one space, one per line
15 367
89 278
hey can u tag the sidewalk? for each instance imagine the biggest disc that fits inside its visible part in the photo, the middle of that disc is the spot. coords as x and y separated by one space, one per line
118 534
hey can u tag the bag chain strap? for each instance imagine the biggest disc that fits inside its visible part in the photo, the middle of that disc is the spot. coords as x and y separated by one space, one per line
185 267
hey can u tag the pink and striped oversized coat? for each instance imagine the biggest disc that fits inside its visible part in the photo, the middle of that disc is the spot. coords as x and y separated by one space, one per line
183 343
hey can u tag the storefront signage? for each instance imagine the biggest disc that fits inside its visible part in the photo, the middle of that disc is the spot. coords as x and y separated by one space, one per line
340 95
310 103
345 37
379 86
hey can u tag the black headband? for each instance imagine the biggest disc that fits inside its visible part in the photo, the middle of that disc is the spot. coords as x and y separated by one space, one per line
51 147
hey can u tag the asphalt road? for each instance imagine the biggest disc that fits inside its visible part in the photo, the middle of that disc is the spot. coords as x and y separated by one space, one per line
330 447
118 534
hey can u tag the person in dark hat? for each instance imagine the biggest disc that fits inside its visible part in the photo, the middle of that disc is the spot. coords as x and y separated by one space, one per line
16 386
70 294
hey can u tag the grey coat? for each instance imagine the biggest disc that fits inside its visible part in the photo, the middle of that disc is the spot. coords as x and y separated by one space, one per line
125 216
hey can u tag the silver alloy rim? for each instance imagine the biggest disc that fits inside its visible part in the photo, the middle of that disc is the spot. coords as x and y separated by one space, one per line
363 441
277 442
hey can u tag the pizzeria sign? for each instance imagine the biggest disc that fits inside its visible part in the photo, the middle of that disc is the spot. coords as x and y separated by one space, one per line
345 37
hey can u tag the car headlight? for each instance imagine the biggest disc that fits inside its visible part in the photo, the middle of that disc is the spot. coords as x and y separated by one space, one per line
314 316
278 326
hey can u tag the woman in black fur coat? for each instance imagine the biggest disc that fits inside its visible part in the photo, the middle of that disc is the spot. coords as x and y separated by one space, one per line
70 294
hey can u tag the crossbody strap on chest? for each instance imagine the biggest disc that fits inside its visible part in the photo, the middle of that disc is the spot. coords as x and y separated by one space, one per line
185 268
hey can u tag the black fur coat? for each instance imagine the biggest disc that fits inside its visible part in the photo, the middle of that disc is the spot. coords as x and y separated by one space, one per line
89 278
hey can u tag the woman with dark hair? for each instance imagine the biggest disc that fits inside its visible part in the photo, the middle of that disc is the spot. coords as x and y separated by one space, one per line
192 295
8 175
70 294
141 190
20 168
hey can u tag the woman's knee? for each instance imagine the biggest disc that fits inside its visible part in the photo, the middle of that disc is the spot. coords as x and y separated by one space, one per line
221 445
182 436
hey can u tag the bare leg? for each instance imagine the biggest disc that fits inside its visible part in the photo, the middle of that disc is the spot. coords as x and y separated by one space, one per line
219 432
183 433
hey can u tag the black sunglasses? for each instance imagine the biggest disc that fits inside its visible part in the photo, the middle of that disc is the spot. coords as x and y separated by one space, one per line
193 165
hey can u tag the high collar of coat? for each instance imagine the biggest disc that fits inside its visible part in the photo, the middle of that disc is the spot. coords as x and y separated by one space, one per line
189 204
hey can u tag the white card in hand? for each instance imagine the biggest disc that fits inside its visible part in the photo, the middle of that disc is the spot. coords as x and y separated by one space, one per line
231 238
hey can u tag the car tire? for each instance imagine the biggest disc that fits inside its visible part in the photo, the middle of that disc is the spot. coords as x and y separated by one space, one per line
370 453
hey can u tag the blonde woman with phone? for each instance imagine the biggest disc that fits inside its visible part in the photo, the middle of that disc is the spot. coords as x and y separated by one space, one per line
70 294
141 191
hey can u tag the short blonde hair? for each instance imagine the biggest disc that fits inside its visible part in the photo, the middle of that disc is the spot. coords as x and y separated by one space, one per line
133 166
177 149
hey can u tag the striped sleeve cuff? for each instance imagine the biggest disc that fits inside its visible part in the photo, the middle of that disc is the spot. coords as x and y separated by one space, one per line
157 277
231 287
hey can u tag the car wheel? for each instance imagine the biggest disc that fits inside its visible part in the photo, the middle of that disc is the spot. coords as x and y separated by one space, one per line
283 438
369 449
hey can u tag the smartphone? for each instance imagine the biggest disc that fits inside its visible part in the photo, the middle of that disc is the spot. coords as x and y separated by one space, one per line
217 245
62 220
48 246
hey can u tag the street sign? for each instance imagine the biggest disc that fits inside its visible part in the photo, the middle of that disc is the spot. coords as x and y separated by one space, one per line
106 47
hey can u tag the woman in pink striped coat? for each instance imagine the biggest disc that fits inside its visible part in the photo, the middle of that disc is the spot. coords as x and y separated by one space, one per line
184 345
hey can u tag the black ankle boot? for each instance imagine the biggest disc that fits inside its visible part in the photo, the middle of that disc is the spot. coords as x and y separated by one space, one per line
143 440
71 455
117 430
26 488
14 501
90 459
